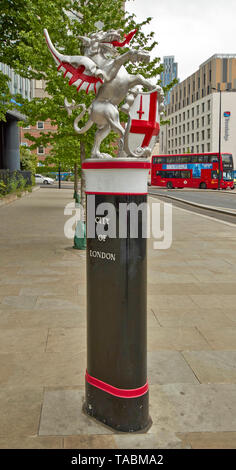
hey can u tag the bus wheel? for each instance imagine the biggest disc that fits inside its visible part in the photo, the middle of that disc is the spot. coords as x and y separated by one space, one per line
202 186
169 185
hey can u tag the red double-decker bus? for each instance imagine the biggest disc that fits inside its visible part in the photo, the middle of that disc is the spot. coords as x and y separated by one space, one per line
193 170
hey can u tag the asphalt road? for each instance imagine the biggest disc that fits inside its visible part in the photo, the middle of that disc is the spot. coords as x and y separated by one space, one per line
221 199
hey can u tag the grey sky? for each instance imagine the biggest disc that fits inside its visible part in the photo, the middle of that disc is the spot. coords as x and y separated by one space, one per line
191 30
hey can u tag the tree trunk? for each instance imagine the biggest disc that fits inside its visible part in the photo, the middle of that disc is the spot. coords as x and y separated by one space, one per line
76 178
82 188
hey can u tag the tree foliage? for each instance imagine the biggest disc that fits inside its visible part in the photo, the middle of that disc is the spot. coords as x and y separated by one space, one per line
24 48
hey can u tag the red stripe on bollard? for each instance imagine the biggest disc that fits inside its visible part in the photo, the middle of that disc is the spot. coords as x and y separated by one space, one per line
117 392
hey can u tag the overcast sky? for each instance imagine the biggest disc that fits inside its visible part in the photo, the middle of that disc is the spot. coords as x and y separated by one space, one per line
191 30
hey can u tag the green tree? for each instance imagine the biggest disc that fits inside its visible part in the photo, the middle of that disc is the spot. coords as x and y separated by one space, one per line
20 27
28 159
28 54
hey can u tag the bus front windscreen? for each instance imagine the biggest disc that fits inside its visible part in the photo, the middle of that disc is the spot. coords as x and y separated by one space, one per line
228 175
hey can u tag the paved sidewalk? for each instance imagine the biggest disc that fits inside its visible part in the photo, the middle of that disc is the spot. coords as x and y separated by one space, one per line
191 334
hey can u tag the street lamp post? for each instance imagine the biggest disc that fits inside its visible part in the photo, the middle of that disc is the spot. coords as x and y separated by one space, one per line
219 174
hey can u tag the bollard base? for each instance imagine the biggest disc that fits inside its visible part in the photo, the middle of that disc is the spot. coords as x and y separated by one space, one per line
120 414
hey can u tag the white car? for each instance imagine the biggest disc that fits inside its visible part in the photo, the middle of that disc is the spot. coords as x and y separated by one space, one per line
43 179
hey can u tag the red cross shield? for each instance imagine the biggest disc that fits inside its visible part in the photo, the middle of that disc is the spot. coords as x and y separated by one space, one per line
144 124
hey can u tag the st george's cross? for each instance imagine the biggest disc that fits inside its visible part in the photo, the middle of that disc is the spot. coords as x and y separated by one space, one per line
144 115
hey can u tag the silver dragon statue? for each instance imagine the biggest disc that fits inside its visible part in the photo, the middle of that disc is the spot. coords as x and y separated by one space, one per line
102 71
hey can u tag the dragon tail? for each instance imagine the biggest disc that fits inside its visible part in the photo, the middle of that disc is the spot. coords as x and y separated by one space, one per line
88 124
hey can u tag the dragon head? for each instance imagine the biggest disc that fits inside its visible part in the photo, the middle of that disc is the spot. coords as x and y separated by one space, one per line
105 42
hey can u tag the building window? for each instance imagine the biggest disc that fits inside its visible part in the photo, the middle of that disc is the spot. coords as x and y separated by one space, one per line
203 148
183 127
203 107
197 122
188 114
184 139
184 116
192 124
202 120
203 135
208 147
208 119
208 133
40 125
192 137
188 126
209 105
192 112
40 150
198 109
197 136
197 148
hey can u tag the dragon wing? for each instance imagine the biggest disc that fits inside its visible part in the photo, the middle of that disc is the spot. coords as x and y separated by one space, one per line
81 71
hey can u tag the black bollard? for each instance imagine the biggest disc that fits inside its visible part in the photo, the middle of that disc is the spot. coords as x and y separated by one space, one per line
116 376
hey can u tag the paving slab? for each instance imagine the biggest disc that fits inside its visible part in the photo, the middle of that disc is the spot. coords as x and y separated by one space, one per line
193 407
20 410
220 338
197 317
90 441
64 339
177 339
213 366
62 415
31 442
42 369
208 440
169 367
50 318
23 340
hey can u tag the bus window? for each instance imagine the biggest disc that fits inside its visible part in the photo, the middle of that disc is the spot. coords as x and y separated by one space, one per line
213 158
200 159
171 159
227 161
214 175
185 174
185 159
